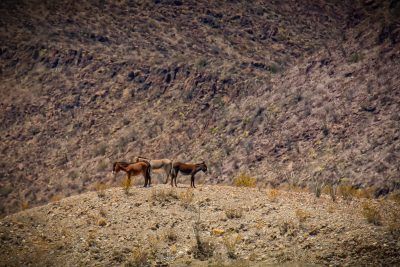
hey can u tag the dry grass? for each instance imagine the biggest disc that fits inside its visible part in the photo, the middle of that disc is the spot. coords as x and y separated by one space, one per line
170 235
24 205
244 180
139 258
164 195
302 215
100 189
126 185
347 192
230 242
234 213
393 221
56 198
186 197
273 194
330 190
371 213
101 222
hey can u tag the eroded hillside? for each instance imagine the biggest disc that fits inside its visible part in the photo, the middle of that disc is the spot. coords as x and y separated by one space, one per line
277 90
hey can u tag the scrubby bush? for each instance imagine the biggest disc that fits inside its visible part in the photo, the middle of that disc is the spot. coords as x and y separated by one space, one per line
244 180
371 213
234 213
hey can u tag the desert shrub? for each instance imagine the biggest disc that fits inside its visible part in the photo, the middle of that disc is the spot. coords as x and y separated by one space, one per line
273 194
287 227
330 190
393 219
234 213
164 195
186 197
56 198
101 222
100 150
302 215
102 165
244 180
139 258
204 248
230 242
273 68
346 191
73 174
355 57
24 205
316 185
126 185
395 196
201 63
5 190
364 192
100 189
371 213
170 236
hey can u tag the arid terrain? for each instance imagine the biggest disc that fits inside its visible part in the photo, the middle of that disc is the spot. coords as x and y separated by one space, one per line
293 98
210 226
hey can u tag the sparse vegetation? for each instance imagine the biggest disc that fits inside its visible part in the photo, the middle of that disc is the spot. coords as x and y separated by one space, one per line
230 242
186 197
163 196
100 189
126 185
273 194
244 180
100 150
139 258
371 213
234 213
302 215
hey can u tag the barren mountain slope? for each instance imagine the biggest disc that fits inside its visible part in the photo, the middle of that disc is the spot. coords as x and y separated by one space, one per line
237 226
277 90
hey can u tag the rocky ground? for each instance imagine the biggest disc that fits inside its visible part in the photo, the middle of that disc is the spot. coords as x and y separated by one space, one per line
207 226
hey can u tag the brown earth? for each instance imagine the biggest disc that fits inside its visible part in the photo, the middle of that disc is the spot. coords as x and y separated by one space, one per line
235 227
283 91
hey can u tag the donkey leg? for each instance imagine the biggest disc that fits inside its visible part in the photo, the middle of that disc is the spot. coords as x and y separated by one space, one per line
192 181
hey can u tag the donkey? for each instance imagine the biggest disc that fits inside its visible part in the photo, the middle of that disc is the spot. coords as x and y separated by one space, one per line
187 169
133 169
158 164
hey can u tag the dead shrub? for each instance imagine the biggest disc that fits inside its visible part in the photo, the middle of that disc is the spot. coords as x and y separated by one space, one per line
126 185
347 192
230 242
186 197
287 227
244 180
139 258
234 213
164 195
56 198
371 213
393 219
273 194
170 236
204 248
100 150
331 190
302 215
100 189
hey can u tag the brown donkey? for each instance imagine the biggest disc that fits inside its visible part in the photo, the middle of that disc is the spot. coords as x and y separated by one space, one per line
133 169
186 169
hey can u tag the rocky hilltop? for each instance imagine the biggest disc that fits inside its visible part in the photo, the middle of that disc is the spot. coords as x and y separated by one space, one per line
285 91
210 226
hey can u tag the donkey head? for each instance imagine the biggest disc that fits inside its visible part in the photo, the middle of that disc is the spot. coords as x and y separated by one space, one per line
116 168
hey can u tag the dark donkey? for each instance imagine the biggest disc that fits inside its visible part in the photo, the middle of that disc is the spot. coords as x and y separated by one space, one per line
186 169
133 169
